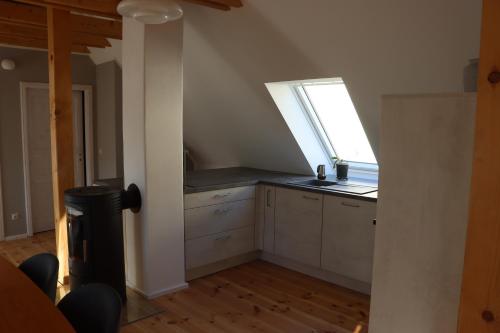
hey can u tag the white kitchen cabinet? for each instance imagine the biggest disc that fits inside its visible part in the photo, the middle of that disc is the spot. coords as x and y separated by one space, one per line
269 218
219 227
348 237
209 249
259 217
204 221
203 199
264 221
298 219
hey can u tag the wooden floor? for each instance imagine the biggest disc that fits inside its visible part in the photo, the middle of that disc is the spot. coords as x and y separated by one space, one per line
19 250
256 297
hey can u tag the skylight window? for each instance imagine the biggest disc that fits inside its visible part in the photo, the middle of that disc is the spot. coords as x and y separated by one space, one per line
336 122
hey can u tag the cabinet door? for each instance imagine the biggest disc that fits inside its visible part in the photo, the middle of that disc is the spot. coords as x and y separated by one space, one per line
348 237
260 203
269 211
298 225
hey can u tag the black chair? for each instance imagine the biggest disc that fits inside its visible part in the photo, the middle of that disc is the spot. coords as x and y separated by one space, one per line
42 270
92 308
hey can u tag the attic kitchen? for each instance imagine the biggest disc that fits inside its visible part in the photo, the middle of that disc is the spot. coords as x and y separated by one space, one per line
231 214
325 226
297 171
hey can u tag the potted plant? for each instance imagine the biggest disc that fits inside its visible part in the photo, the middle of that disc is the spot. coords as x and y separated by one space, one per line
342 167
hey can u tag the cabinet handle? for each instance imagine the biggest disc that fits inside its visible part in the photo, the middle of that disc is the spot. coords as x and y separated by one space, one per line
310 198
222 211
374 221
268 198
221 196
223 238
347 204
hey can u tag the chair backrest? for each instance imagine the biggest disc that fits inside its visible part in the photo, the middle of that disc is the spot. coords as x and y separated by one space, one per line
42 269
93 308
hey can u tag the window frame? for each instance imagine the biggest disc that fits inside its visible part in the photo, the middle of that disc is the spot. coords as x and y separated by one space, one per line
318 128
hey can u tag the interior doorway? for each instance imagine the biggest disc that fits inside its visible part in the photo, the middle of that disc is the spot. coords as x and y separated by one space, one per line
35 113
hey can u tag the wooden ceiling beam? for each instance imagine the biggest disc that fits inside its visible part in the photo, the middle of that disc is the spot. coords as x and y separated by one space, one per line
89 40
105 8
96 26
36 43
37 16
230 3
36 32
208 3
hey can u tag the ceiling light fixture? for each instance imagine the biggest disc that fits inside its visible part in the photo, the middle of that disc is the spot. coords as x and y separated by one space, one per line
8 64
150 11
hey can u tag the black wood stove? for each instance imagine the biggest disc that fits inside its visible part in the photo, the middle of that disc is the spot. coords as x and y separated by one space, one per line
95 234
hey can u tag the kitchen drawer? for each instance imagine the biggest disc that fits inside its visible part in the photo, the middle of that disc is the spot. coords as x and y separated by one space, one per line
209 198
206 250
210 220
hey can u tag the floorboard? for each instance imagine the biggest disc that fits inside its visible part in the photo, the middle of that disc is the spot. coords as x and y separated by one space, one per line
255 297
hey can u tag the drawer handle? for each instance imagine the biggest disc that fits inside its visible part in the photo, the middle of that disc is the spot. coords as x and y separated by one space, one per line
221 196
347 204
222 211
310 198
223 238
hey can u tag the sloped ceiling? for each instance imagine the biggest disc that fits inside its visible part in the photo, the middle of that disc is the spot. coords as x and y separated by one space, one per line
378 47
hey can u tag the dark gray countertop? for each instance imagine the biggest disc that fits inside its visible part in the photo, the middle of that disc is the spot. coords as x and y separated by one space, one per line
216 179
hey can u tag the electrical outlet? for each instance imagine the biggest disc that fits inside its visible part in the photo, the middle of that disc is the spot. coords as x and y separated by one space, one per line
14 216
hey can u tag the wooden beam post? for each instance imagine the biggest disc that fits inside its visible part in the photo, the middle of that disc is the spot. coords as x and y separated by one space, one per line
480 299
61 124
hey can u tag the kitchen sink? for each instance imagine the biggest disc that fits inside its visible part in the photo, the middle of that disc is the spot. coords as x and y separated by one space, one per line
336 187
315 183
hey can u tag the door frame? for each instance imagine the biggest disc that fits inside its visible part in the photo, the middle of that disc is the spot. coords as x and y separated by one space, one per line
89 140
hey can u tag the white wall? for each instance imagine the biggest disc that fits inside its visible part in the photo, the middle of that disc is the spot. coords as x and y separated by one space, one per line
378 47
152 130
109 131
31 66
103 55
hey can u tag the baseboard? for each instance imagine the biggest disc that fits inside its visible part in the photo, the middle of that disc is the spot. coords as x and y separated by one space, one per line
218 266
359 286
15 237
158 293
134 288
167 291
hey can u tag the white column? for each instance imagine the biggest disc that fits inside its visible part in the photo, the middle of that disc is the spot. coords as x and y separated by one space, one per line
152 138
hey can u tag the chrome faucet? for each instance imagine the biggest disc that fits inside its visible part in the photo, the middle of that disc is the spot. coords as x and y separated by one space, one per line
321 172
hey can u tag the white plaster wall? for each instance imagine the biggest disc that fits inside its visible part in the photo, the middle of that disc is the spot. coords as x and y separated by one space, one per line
295 118
378 47
103 55
152 117
109 132
134 154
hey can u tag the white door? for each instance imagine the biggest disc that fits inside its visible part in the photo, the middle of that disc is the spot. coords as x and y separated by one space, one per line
39 154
